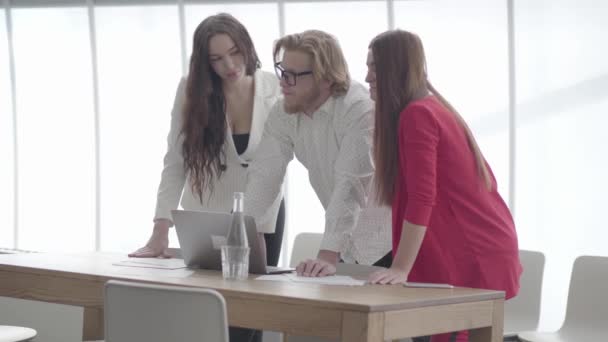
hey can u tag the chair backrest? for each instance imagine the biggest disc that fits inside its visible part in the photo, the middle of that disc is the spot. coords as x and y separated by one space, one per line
522 312
305 246
587 306
136 312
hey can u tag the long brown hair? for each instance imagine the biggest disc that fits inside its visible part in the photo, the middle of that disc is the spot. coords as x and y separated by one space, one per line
400 68
328 62
204 115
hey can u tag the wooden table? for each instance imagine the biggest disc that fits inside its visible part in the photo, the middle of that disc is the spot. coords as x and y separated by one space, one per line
357 313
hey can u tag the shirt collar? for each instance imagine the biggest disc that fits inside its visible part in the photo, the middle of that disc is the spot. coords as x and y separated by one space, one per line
327 108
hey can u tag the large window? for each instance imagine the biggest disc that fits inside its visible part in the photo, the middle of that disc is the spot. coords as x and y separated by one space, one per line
55 129
562 77
139 67
7 138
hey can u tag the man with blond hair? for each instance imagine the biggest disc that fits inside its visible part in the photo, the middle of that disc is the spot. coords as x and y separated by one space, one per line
326 121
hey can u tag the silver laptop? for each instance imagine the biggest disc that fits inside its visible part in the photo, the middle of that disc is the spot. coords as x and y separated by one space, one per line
202 233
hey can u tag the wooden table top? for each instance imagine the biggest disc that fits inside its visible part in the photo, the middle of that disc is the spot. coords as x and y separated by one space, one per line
368 298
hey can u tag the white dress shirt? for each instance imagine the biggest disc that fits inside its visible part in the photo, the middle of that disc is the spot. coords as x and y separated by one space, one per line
173 179
335 145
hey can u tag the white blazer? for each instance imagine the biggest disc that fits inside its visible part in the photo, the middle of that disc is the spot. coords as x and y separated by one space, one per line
173 183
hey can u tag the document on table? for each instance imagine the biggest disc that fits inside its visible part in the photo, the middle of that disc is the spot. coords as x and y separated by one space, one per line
166 264
329 280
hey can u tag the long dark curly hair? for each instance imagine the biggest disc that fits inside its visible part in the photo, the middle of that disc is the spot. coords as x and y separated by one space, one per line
204 115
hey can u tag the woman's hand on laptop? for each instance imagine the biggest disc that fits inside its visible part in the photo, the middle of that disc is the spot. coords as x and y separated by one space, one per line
158 243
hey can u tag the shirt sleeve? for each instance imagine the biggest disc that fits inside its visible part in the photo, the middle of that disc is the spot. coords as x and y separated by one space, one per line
353 172
173 176
418 140
267 171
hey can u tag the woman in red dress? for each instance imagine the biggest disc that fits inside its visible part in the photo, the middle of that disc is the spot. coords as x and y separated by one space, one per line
450 225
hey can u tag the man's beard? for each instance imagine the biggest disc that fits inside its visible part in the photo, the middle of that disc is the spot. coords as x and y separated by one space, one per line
301 105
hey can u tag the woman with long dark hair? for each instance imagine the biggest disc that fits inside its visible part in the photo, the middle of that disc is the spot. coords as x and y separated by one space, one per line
216 125
450 225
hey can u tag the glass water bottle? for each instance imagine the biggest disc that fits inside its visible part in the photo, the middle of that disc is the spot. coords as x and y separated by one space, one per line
235 254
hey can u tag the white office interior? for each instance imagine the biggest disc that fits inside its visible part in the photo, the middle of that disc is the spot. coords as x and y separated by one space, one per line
86 89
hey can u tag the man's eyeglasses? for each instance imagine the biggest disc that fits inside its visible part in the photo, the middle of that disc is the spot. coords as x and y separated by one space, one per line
289 77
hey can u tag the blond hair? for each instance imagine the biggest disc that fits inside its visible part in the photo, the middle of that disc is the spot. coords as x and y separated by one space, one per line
328 62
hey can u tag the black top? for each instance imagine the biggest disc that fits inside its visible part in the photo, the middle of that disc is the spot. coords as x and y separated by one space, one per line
240 142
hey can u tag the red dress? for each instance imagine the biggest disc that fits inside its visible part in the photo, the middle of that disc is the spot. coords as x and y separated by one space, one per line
470 239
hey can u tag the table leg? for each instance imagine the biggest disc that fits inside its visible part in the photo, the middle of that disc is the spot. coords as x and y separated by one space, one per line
362 327
495 332
92 328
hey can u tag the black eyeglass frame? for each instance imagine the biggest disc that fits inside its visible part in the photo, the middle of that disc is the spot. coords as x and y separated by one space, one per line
283 74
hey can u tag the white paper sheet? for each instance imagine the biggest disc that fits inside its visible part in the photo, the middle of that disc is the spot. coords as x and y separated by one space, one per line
330 280
166 264
273 277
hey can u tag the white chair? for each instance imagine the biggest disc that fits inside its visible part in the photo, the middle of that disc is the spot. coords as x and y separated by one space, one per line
137 312
305 246
9 333
522 312
587 307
